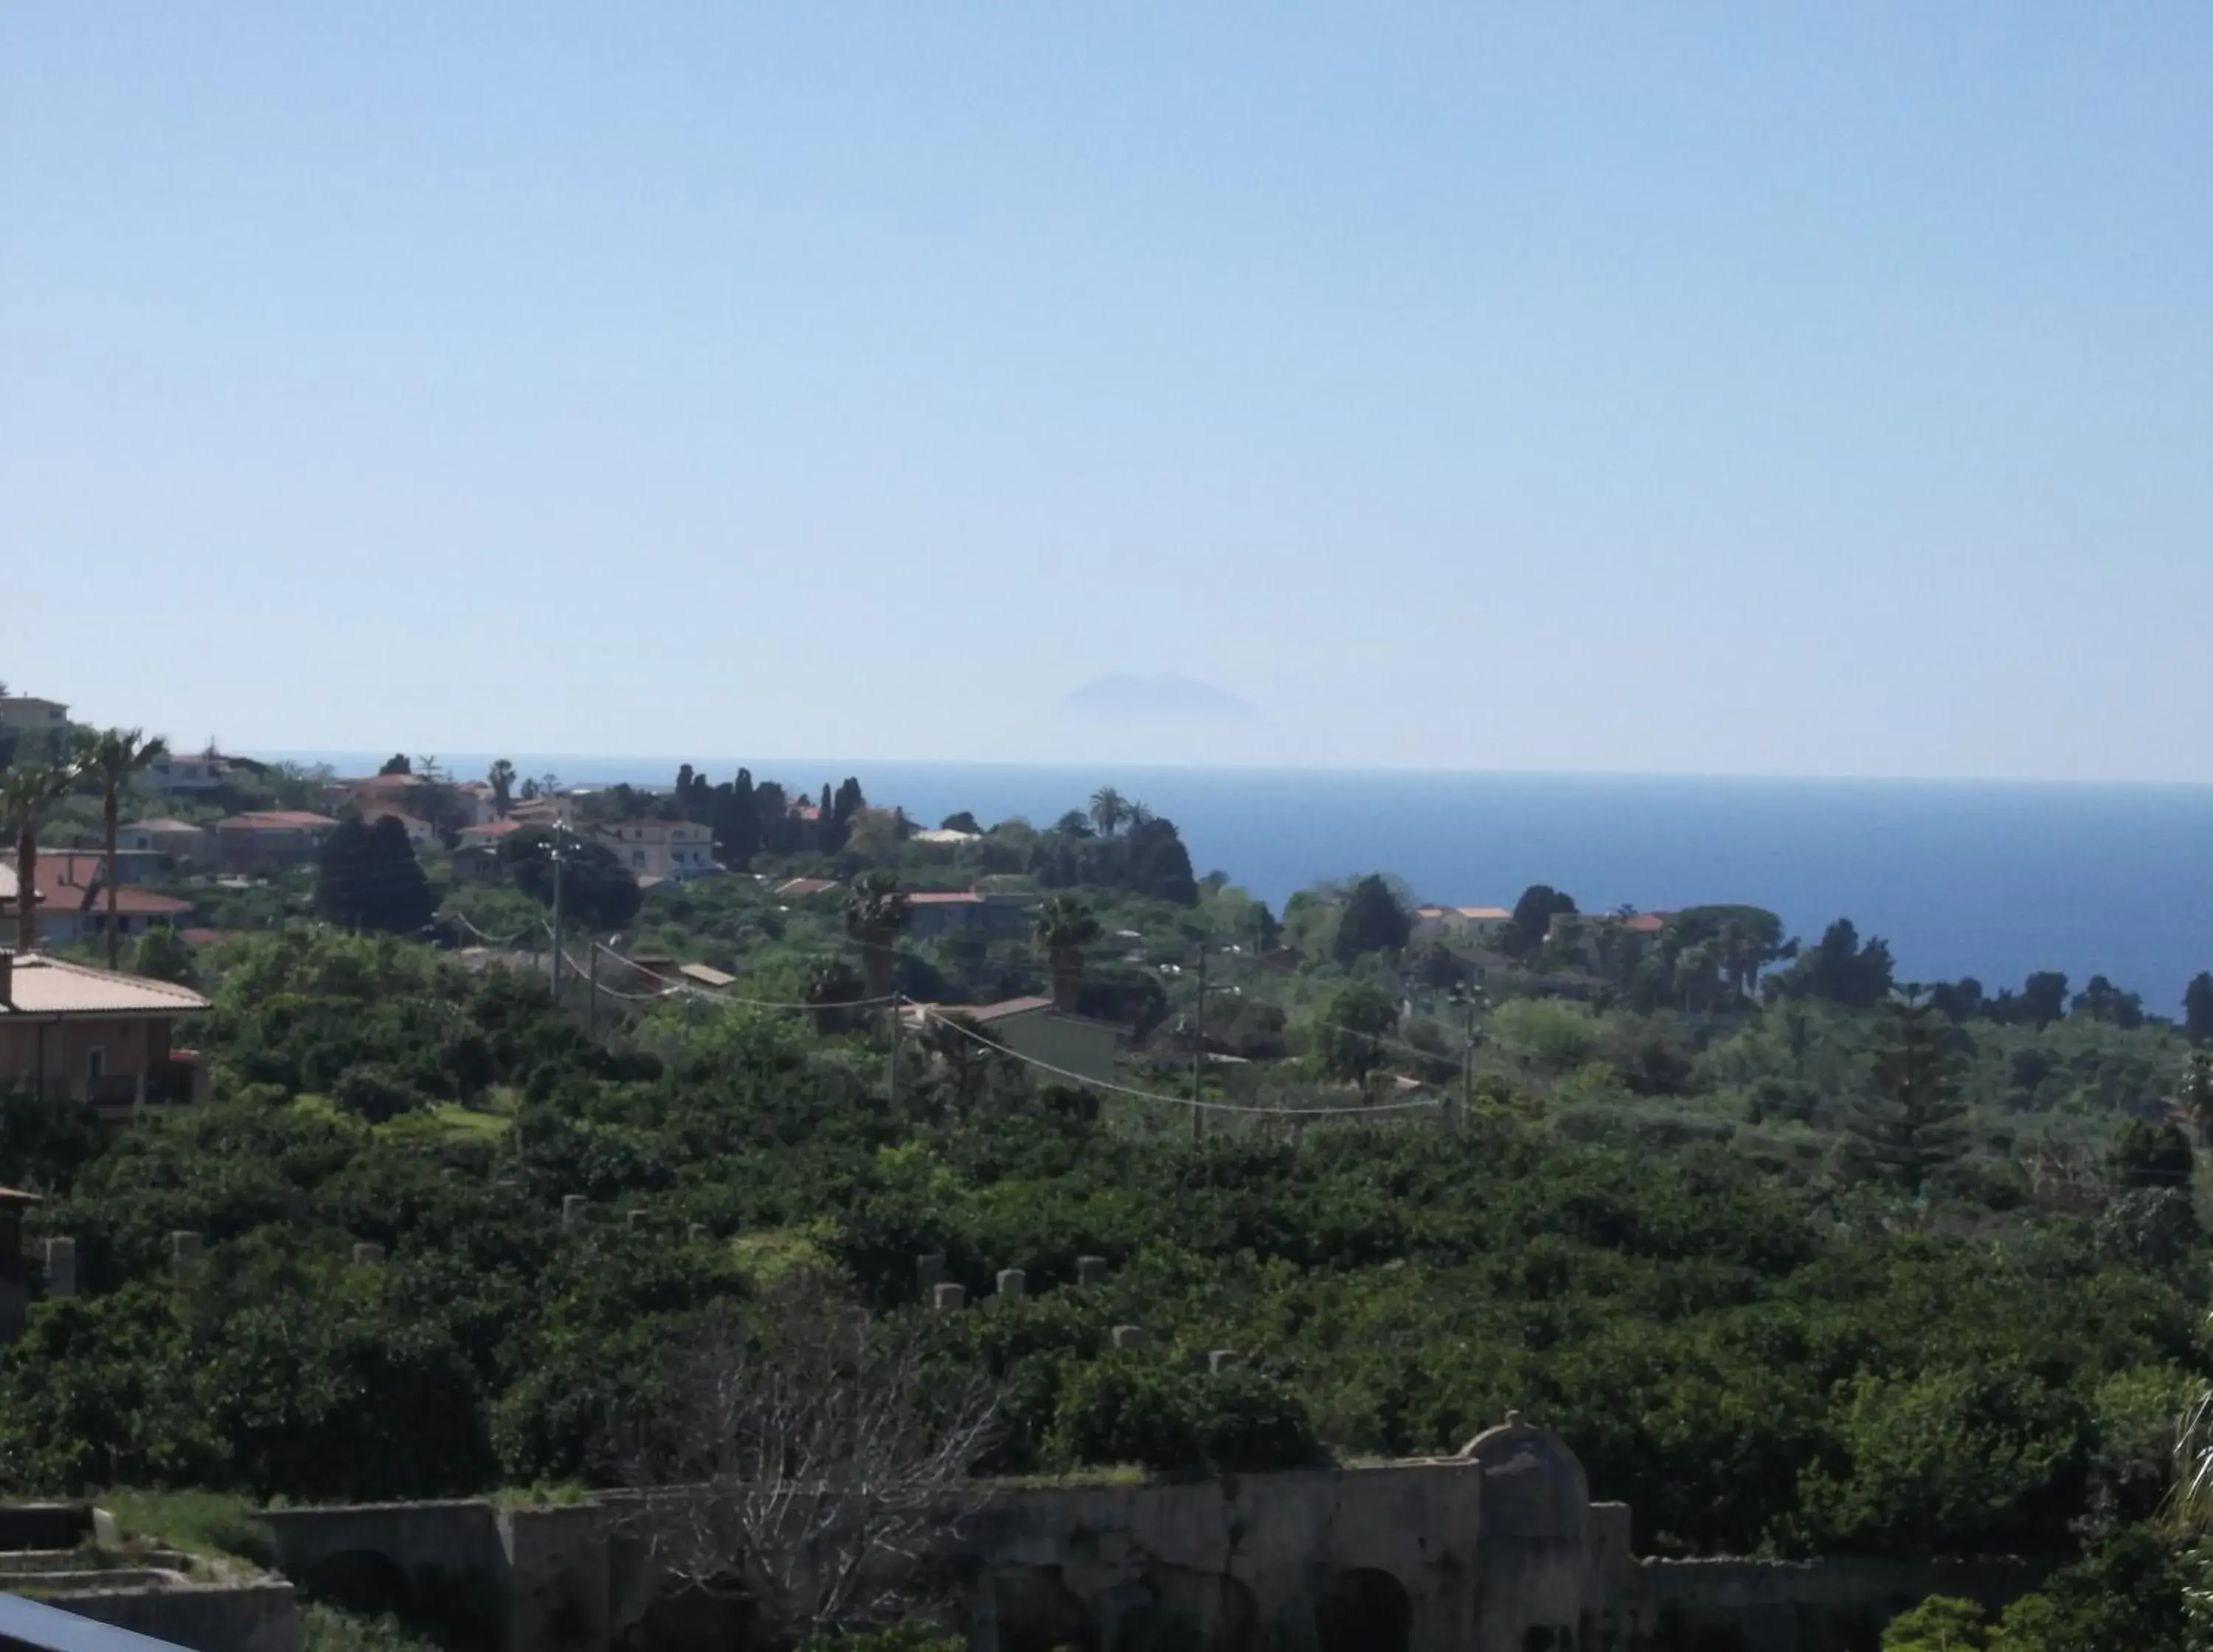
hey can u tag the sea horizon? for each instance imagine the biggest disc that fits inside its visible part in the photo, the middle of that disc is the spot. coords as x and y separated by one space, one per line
1992 878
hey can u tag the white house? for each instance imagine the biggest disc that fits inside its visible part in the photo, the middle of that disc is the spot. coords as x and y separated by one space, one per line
660 848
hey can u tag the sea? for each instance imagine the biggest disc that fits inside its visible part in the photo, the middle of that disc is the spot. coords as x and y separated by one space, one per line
1990 879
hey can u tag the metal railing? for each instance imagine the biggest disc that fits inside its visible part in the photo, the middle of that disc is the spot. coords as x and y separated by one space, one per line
32 1626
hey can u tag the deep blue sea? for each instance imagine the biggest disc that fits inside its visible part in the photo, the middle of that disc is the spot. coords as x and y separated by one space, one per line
1962 878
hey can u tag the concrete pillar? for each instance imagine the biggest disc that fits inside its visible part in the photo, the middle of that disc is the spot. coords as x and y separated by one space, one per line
1130 1336
186 1247
947 1298
928 1269
1013 1282
367 1251
1091 1271
1223 1359
575 1211
61 1267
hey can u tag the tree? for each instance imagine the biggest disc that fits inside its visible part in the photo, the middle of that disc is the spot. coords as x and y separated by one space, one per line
1915 1122
876 915
1533 918
833 991
1065 926
2043 998
163 955
1073 824
369 879
500 777
960 820
27 791
1108 810
2193 1102
397 762
1839 969
111 760
2151 1155
814 1457
1156 861
2101 1001
596 888
1371 920
1356 1019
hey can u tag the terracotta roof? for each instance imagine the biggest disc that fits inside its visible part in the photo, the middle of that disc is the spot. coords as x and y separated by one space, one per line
275 819
69 881
39 985
490 829
199 937
1646 923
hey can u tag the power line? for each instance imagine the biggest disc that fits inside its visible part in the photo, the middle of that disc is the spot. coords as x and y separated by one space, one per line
1287 1113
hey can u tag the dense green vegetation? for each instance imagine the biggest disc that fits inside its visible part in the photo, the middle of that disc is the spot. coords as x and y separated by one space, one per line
1794 1265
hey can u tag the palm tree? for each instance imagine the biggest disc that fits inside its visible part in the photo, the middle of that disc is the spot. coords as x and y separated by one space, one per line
1108 810
876 915
27 791
111 760
1065 926
1136 814
502 778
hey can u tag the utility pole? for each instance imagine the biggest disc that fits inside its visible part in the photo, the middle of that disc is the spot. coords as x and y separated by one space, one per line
1470 1001
1198 1049
559 858
893 1082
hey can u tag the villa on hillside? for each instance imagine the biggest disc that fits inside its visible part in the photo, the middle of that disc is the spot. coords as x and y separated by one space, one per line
73 1033
177 839
269 840
1477 925
655 850
72 900
26 714
994 914
1034 1030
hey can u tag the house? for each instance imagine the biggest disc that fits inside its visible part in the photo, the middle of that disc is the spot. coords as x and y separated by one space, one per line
1032 1029
804 888
994 914
488 833
72 901
675 850
477 863
269 840
1471 925
951 835
178 839
420 833
27 716
174 773
74 1032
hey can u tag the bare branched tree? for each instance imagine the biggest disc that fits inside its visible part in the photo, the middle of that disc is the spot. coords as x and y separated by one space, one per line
814 1460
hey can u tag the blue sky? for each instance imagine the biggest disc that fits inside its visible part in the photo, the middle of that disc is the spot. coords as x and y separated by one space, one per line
1698 389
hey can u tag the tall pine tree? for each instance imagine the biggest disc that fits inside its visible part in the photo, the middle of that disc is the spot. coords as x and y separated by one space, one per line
1914 1124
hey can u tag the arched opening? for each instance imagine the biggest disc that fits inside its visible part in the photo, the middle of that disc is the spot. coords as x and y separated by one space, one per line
1038 1612
1182 1610
362 1581
1364 1610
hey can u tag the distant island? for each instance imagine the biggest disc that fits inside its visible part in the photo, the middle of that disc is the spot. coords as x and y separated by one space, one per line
1122 697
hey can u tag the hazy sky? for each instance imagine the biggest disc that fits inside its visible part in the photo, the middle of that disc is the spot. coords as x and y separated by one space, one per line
1763 389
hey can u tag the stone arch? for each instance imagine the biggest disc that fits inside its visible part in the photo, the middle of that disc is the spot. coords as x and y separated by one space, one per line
1037 1611
366 1580
1185 1610
1364 1610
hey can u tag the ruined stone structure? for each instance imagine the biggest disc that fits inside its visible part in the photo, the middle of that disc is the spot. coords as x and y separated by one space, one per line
1497 1549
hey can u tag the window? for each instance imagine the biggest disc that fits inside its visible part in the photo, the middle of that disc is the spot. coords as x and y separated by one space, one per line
637 857
96 1065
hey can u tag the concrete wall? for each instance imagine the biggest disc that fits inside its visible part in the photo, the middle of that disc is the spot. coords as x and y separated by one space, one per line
206 1618
1498 1550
